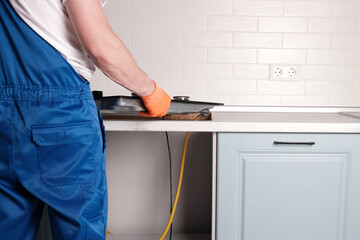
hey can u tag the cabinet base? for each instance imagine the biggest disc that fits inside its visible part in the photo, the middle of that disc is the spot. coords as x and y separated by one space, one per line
178 236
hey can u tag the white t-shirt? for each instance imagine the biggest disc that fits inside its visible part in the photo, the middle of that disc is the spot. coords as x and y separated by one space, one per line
50 20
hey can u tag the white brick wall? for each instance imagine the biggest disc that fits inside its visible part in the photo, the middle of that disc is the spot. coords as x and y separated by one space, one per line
258 8
221 50
309 8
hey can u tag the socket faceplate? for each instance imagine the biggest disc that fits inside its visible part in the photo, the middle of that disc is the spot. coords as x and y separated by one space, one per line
283 72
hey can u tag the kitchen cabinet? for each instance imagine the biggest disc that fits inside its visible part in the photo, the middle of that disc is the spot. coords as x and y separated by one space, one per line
306 190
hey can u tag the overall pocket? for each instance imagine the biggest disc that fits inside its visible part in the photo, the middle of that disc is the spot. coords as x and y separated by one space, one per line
65 153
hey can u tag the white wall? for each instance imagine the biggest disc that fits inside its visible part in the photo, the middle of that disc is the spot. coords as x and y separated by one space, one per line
220 50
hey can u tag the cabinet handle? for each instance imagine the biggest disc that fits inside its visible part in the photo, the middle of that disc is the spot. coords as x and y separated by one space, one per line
294 143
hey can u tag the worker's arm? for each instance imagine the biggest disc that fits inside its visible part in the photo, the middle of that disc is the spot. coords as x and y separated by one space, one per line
109 54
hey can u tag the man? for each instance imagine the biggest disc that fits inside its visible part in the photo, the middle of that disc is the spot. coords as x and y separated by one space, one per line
52 138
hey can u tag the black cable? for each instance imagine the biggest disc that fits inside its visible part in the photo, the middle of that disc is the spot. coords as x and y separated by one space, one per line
170 164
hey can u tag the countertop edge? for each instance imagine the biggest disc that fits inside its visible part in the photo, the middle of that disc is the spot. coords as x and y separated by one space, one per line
210 126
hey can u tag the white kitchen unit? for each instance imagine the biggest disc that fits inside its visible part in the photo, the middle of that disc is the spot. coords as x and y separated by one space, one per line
305 186
306 190
273 186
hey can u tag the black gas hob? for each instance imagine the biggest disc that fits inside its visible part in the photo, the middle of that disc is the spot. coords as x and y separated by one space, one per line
133 105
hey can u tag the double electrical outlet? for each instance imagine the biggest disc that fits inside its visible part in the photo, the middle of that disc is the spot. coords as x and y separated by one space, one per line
283 72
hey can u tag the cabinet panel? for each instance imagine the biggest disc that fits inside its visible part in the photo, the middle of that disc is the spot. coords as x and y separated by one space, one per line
294 192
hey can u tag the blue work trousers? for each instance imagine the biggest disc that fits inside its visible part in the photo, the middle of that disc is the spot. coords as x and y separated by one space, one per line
52 140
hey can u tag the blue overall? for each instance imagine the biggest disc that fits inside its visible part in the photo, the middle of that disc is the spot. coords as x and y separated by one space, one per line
52 140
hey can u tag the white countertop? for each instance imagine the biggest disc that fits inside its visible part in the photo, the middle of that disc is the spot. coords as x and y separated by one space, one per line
253 119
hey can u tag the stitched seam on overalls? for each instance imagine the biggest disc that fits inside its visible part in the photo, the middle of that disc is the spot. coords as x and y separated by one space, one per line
42 87
64 185
12 139
47 100
85 220
44 93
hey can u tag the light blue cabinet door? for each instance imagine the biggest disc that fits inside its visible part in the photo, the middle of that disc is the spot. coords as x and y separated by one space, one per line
268 191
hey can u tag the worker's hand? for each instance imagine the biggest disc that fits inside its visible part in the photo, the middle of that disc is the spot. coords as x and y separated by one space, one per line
157 103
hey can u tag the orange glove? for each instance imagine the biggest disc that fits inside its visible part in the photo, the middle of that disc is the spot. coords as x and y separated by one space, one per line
157 103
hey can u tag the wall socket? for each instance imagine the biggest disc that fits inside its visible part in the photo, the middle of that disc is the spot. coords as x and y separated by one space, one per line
283 72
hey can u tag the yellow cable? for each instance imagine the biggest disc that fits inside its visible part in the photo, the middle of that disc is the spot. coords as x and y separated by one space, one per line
178 189
179 185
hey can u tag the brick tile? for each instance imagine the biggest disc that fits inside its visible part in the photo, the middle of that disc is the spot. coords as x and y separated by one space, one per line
256 100
331 57
333 25
206 7
281 87
207 39
309 8
232 55
211 71
258 40
233 24
282 24
231 86
281 56
304 101
314 72
308 41
251 71
258 8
